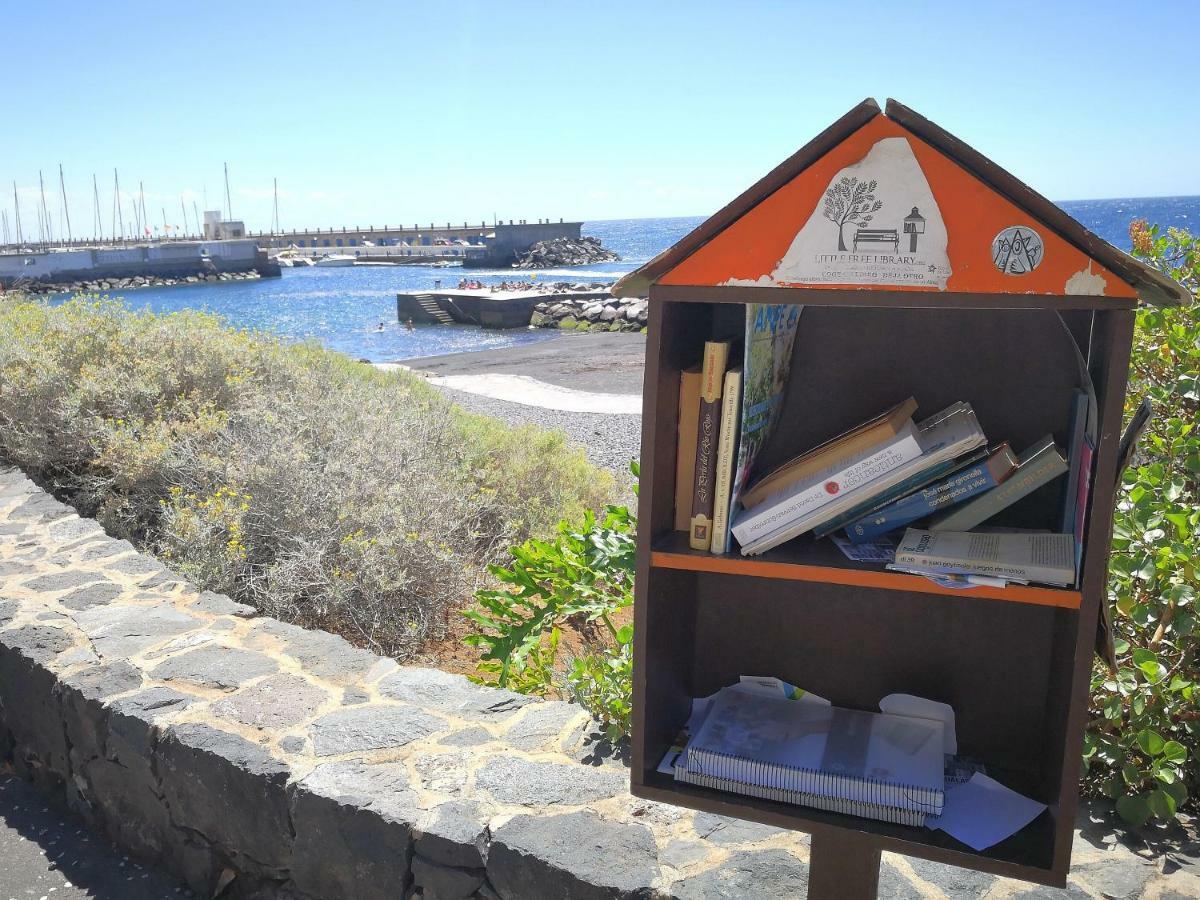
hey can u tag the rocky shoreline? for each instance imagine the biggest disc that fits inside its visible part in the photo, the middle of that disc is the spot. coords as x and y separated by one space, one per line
613 314
133 282
564 252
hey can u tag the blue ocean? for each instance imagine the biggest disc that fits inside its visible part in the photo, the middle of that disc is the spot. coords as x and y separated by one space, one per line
343 308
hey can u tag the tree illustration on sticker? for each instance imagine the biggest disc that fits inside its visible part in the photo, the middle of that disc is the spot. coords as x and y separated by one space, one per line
851 202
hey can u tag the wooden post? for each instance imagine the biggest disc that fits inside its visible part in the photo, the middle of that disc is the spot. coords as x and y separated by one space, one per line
843 866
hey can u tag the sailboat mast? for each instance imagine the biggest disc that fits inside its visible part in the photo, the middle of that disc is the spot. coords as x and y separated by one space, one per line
47 233
275 214
97 224
228 202
183 212
62 184
196 216
17 212
145 221
117 212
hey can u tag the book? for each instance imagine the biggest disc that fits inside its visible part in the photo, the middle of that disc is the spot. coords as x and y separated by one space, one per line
874 432
815 490
766 364
731 394
1013 556
907 486
892 814
1076 431
825 751
708 429
685 448
961 485
1038 465
944 436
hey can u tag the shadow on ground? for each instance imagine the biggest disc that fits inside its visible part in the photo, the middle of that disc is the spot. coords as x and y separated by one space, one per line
46 852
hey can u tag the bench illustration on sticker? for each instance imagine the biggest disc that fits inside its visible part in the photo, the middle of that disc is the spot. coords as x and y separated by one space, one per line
877 223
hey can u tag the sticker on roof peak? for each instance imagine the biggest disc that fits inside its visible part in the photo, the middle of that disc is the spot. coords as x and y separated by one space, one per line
1017 250
876 223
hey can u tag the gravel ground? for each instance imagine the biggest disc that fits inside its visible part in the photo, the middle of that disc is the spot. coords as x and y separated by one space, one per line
611 441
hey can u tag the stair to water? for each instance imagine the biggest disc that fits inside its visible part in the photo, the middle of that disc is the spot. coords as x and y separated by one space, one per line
430 306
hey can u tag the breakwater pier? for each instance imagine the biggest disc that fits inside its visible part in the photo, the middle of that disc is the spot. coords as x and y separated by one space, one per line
488 308
176 260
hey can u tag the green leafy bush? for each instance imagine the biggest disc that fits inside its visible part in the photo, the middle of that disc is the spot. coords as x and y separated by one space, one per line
318 489
1143 742
584 573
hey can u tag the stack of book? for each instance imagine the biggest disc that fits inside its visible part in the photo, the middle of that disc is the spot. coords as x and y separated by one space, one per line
880 766
873 481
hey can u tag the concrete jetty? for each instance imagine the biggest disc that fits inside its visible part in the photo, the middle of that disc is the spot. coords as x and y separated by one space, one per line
490 309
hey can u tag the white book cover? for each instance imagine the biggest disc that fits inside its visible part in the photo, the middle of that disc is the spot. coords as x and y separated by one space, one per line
946 435
828 484
727 450
777 743
1023 556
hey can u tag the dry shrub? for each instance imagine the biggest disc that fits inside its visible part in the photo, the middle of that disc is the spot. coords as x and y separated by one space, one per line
317 489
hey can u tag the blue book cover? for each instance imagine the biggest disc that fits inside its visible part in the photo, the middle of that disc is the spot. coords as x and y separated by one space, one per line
907 486
958 486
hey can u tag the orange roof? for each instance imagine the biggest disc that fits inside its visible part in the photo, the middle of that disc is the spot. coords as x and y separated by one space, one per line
892 202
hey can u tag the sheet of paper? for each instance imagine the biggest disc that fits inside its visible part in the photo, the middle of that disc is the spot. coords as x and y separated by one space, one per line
983 812
920 708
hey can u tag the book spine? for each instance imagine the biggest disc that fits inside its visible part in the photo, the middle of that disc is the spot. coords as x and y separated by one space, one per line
891 814
948 492
731 394
820 784
685 454
708 426
772 515
1024 481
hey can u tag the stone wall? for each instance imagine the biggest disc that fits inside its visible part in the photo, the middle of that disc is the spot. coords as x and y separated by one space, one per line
260 759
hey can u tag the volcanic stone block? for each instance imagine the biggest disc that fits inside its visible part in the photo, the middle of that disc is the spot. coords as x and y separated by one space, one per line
534 783
8 611
455 834
223 668
74 529
278 702
83 709
220 605
452 694
445 882
91 595
232 792
61 581
578 855
374 727
543 723
124 631
39 509
353 826
29 704
321 653
765 874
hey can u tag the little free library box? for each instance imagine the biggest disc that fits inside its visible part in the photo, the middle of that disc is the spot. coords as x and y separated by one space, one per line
885 260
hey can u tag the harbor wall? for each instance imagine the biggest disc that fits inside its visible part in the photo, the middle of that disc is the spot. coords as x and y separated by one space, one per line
176 259
507 242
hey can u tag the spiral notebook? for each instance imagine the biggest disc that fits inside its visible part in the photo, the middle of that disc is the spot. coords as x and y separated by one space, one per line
876 760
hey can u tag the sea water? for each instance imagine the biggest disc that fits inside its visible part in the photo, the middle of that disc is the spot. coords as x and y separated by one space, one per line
353 309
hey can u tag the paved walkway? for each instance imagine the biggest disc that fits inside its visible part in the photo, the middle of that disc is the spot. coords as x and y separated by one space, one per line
47 855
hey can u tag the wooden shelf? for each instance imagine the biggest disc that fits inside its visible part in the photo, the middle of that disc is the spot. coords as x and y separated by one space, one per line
807 560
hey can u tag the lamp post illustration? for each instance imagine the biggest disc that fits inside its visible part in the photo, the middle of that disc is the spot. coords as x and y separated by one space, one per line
914 224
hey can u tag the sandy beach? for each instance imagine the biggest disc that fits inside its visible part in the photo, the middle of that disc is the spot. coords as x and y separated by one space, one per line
607 366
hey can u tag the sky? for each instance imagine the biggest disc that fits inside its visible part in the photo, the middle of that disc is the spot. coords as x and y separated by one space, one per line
388 112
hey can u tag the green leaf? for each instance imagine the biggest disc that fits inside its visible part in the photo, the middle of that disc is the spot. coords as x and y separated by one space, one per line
1174 752
1134 809
1161 804
1150 741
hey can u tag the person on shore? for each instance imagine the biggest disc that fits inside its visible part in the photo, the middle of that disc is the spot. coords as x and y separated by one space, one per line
409 325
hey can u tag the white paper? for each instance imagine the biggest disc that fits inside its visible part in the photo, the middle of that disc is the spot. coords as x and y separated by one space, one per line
983 812
920 708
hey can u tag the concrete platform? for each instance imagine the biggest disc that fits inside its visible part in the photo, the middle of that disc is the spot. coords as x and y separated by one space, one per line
491 309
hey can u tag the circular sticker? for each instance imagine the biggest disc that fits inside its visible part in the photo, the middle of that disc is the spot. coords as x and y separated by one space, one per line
1017 250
